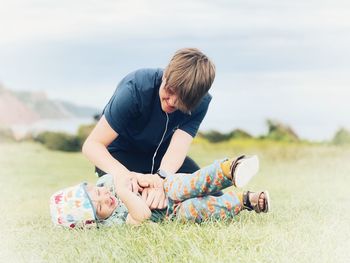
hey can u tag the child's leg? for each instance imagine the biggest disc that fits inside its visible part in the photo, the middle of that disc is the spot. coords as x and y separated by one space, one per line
208 180
242 169
198 209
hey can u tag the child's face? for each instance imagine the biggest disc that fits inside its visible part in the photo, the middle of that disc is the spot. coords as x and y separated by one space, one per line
103 200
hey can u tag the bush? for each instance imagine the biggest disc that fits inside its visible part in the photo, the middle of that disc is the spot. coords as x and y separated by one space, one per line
240 134
280 132
216 136
59 141
342 136
65 142
83 133
6 134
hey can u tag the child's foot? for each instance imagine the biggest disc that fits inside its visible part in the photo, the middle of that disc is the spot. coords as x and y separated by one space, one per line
259 201
243 169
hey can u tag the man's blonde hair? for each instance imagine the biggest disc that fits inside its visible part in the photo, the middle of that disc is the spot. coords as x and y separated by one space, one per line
189 75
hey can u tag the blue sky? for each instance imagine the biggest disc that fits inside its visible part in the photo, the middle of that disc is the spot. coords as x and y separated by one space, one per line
285 60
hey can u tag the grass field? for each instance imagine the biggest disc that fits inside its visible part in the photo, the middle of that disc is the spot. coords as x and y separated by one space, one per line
310 221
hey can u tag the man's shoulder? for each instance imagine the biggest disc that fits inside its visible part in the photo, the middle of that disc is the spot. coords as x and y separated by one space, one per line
207 97
148 71
147 77
205 102
139 83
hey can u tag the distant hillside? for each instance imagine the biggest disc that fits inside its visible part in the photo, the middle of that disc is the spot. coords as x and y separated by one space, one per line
14 111
28 107
78 111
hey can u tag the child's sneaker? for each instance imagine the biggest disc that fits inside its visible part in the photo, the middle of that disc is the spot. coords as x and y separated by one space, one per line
243 169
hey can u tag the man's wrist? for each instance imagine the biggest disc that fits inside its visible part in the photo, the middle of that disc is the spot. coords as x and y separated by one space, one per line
162 174
133 174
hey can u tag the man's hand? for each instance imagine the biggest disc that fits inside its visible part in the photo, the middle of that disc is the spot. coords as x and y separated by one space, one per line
135 187
123 182
149 180
155 198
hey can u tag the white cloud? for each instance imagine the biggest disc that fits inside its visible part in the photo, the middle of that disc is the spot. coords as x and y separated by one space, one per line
282 59
44 20
315 104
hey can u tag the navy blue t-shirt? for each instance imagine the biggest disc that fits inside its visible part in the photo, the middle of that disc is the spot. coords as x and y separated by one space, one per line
135 113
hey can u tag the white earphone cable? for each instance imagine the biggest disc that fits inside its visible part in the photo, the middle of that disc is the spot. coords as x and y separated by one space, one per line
155 153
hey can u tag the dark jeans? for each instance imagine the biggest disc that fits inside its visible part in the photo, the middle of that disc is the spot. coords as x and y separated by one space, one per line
142 163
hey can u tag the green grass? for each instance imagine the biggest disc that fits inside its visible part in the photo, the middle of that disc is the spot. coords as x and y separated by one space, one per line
308 184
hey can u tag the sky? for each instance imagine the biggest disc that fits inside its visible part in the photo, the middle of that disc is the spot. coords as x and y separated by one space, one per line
281 60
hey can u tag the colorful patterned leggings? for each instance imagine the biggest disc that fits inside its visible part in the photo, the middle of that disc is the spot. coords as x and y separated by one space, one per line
191 196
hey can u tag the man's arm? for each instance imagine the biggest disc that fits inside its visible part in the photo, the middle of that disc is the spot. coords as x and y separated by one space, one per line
171 162
95 149
176 152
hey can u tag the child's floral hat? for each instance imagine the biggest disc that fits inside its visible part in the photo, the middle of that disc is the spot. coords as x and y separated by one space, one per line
72 207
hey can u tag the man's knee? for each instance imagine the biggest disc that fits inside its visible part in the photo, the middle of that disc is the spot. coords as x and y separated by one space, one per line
188 166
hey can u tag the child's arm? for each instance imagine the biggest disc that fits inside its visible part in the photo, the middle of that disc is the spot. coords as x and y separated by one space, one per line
137 208
131 221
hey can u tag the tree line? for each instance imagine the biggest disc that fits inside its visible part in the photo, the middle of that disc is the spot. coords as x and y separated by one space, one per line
276 131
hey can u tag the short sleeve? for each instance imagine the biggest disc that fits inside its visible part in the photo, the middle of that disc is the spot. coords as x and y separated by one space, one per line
191 125
122 107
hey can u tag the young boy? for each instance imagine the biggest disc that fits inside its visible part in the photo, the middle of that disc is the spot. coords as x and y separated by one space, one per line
190 197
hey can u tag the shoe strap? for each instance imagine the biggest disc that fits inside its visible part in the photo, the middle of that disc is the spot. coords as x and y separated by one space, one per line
246 201
233 167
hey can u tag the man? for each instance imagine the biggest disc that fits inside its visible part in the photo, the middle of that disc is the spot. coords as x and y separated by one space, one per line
150 122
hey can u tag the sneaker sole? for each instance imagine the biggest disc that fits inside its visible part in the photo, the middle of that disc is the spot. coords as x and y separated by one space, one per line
246 170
